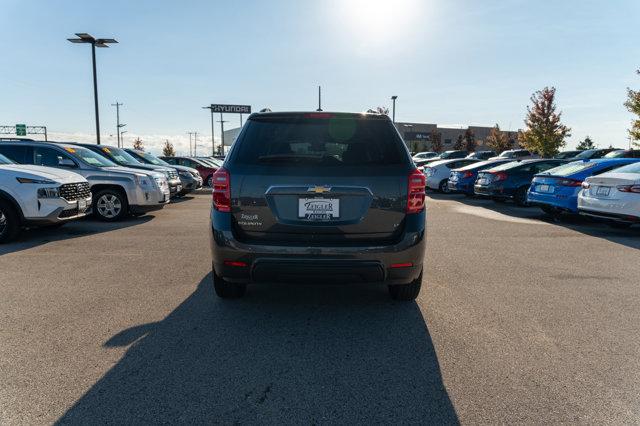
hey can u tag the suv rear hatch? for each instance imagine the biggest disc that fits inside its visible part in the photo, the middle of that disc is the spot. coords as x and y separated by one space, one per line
318 178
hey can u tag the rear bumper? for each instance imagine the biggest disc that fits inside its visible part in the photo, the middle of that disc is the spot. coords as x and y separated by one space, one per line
316 265
461 186
560 201
624 209
494 191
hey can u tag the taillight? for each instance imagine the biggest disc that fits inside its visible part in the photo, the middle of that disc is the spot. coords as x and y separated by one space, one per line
222 190
629 188
586 185
467 174
569 182
498 176
415 196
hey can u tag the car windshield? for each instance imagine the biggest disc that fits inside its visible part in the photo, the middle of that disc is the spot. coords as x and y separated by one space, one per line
631 168
509 165
120 156
570 168
152 159
329 140
89 157
5 160
615 154
481 165
586 154
209 161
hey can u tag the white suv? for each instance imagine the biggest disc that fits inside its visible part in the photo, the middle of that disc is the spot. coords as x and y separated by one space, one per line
36 195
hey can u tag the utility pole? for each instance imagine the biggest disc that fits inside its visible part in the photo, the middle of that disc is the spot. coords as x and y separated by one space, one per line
190 149
393 98
319 98
195 144
118 105
213 143
222 130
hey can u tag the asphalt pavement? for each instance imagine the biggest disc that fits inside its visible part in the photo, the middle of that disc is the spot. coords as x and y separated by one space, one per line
521 320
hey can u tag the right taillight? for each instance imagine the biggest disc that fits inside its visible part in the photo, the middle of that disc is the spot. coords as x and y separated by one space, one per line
222 190
629 188
416 194
467 174
498 176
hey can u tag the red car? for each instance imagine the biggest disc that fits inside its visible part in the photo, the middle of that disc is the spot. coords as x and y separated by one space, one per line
206 170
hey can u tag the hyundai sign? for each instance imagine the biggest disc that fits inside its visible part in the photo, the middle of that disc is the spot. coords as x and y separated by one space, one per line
238 109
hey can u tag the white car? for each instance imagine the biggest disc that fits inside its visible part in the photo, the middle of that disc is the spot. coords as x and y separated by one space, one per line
614 195
36 195
425 155
437 172
515 154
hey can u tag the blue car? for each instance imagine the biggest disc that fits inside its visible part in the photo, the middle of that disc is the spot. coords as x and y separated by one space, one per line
556 190
461 180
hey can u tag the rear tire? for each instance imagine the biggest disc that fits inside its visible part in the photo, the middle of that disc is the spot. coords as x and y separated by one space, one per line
521 196
110 205
9 222
209 181
444 186
225 289
406 292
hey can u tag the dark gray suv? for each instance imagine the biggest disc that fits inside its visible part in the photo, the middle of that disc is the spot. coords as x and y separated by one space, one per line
318 197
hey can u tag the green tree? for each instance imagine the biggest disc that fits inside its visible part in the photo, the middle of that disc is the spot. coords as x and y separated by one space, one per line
498 141
544 132
587 143
633 105
436 141
137 144
167 149
470 142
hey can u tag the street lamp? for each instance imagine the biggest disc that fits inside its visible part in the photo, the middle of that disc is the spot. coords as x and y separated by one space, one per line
122 137
393 98
95 42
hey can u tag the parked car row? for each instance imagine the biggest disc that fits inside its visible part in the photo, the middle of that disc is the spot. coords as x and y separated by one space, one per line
50 183
607 187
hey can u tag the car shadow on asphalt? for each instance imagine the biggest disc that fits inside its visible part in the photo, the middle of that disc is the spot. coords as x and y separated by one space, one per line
35 237
281 355
629 237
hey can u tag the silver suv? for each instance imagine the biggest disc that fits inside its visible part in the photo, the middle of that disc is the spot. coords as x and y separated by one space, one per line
117 191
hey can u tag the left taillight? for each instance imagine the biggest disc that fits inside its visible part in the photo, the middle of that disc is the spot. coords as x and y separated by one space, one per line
222 190
416 194
629 188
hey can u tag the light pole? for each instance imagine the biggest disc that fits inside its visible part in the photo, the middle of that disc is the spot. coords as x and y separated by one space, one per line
393 98
122 137
213 143
95 42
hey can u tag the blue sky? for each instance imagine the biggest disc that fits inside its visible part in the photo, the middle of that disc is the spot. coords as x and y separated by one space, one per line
449 61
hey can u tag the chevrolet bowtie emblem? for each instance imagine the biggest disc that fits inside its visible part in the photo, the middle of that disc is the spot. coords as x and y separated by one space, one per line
319 189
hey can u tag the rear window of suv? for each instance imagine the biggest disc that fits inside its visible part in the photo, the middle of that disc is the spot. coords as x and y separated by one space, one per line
331 140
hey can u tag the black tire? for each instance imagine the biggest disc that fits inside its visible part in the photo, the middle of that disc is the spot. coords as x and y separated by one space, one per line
406 292
225 289
520 197
554 213
9 222
444 186
116 213
209 181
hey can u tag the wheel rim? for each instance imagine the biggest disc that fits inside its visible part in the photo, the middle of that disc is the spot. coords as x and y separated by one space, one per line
3 222
444 187
109 206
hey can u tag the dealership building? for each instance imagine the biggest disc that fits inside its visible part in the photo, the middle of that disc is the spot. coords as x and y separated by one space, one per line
417 136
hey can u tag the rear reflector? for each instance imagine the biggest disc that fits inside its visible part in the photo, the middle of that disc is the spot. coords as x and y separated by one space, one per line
401 265
416 194
235 263
629 188
221 190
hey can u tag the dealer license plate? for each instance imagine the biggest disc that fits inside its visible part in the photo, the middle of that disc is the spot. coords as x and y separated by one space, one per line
319 208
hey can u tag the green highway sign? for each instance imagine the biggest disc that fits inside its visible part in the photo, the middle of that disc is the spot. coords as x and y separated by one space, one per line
21 130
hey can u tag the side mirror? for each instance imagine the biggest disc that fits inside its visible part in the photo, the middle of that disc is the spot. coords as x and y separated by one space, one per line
65 162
